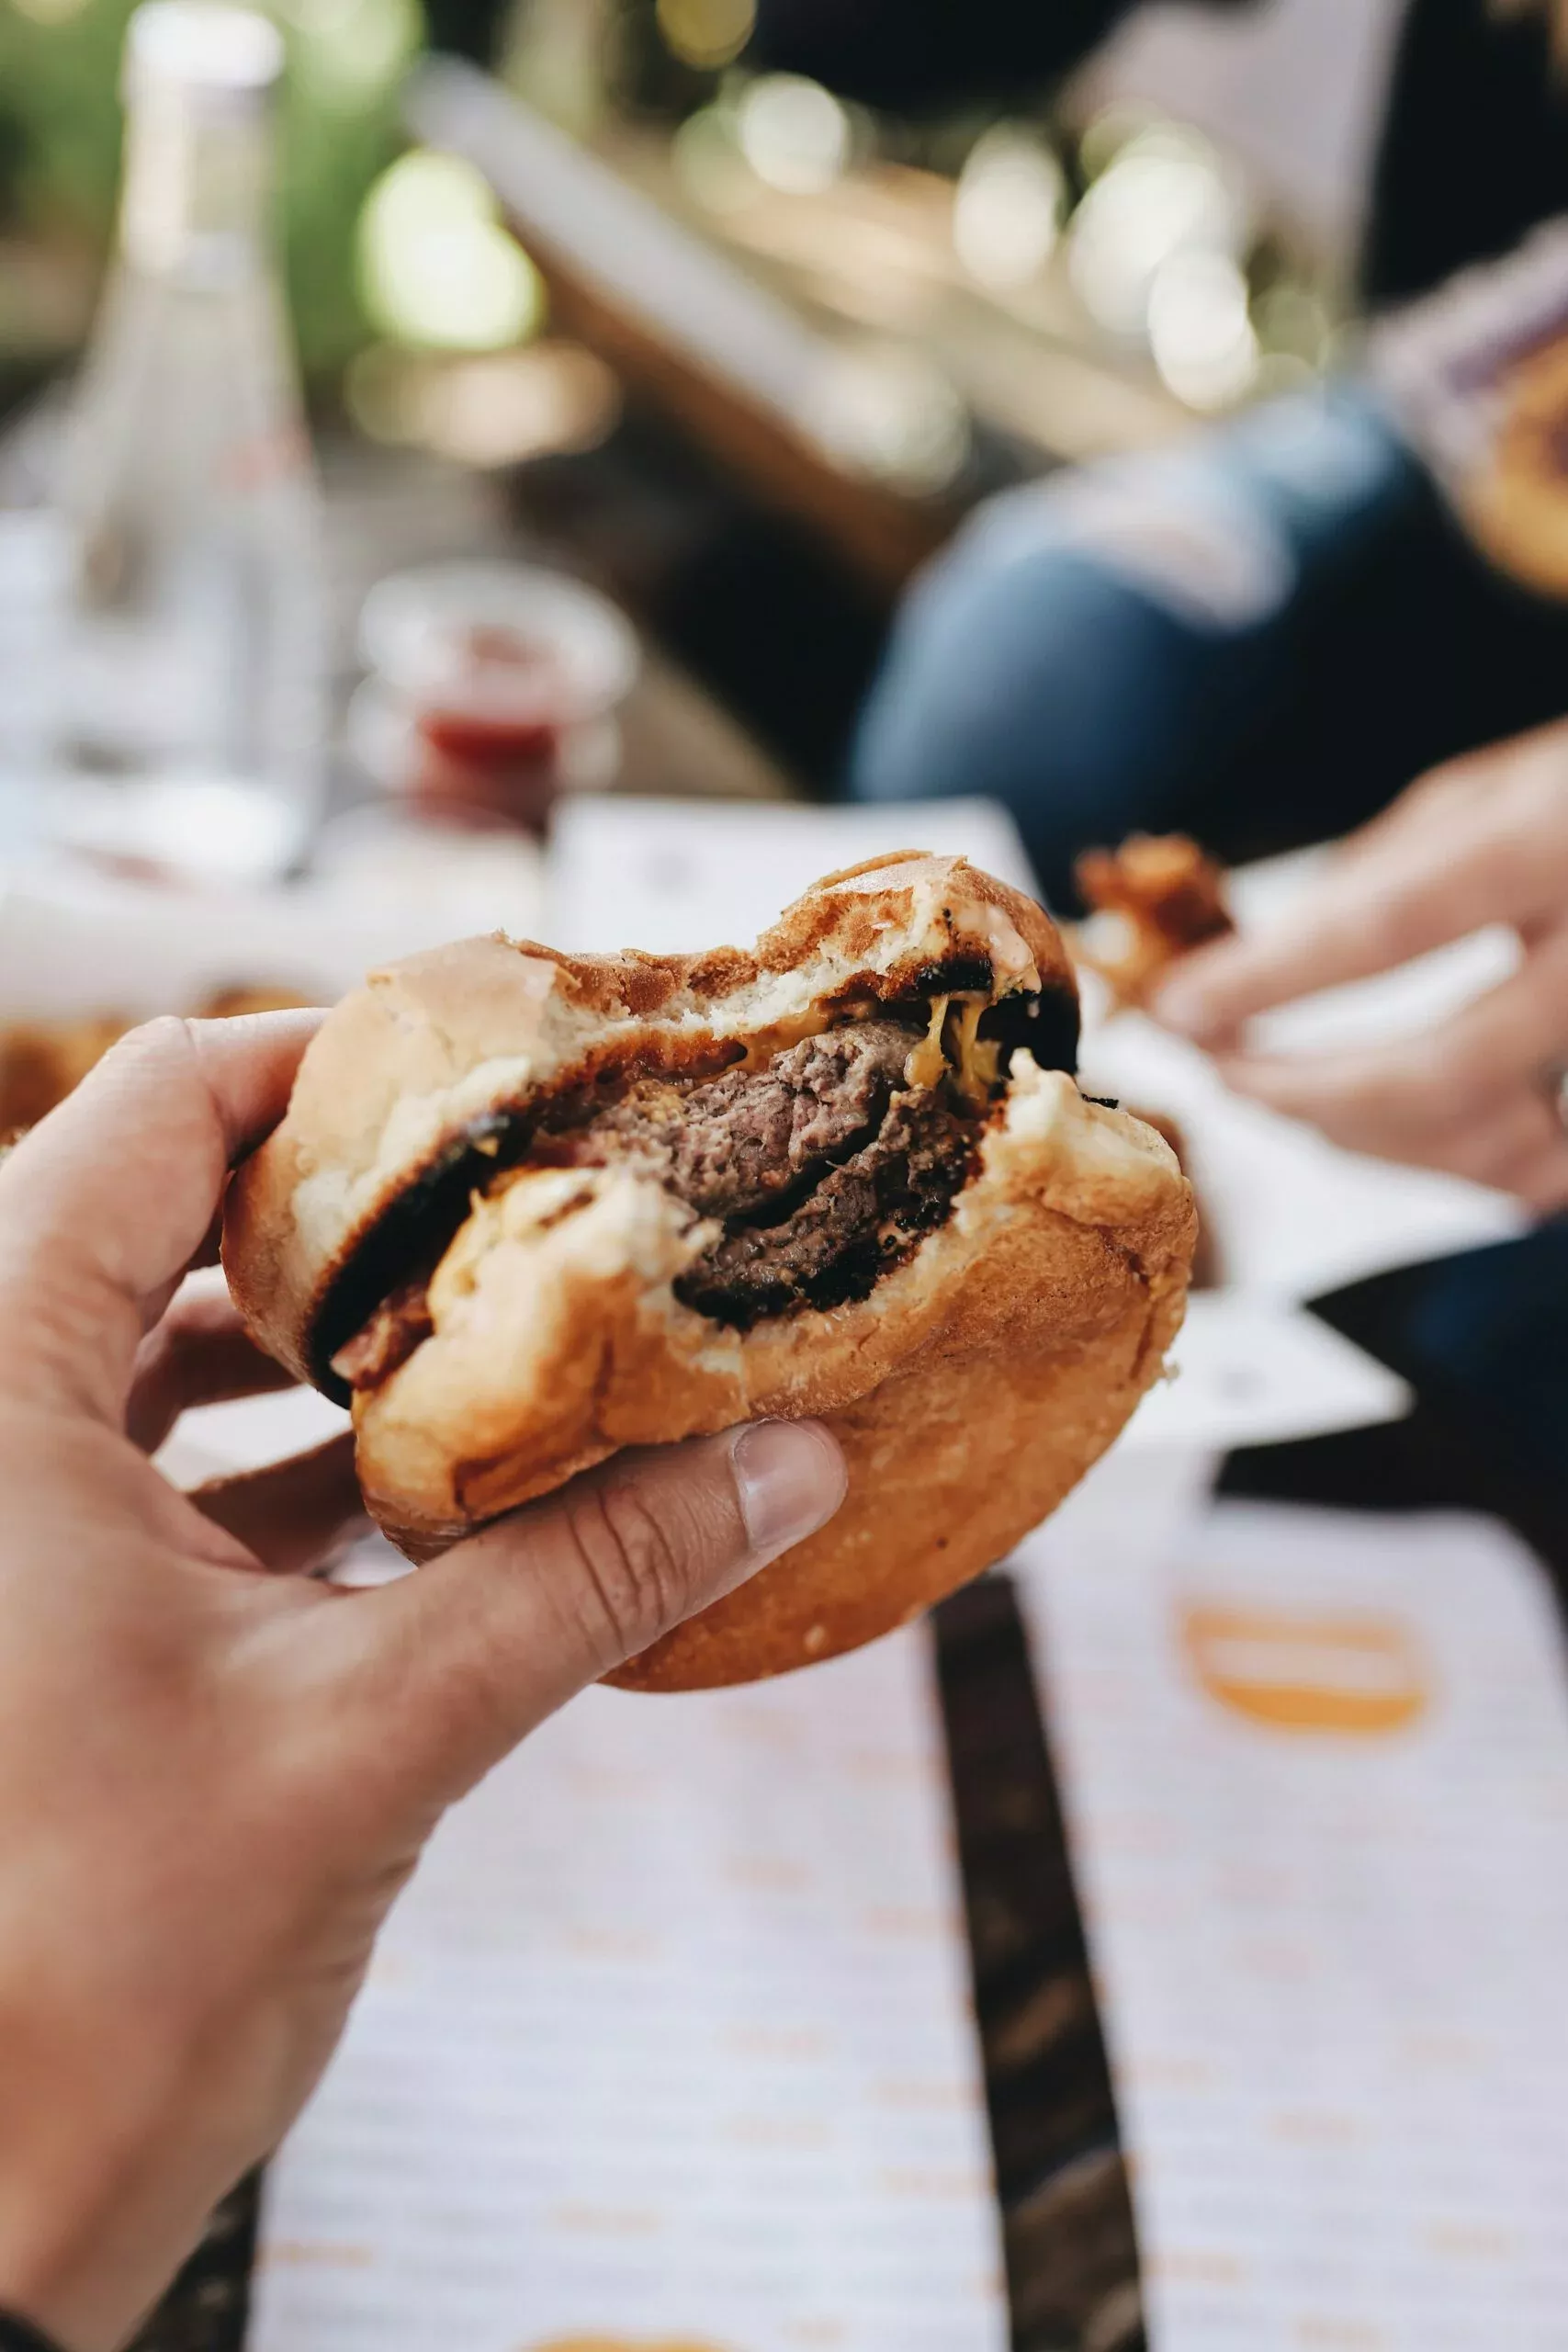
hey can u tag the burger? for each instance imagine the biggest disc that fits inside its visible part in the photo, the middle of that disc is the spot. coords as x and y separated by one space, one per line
526 1208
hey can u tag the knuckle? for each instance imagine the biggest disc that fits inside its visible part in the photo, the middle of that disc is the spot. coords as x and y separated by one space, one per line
156 1053
1476 1155
632 1578
156 1040
1502 876
1398 925
1455 781
1380 924
1545 1188
1353 1107
1474 1077
1350 1129
1432 1084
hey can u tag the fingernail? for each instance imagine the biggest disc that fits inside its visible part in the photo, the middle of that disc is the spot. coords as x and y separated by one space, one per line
791 1478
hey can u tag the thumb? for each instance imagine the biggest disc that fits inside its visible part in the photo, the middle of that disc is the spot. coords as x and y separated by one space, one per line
468 1656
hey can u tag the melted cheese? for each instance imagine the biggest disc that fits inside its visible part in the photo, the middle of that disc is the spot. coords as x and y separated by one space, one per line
927 1066
976 1059
952 1043
761 1048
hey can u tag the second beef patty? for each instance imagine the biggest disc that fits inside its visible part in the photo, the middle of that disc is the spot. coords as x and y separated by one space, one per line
824 1168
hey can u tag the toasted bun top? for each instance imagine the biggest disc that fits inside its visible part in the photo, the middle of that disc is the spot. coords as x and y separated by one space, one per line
410 1079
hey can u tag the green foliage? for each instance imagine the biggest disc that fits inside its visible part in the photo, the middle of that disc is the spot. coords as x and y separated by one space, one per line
60 137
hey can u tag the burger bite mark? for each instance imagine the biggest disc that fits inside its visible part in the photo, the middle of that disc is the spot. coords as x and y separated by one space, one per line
751 1161
824 1166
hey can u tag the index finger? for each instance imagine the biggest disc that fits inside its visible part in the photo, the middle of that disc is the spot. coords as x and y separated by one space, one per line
1403 888
105 1203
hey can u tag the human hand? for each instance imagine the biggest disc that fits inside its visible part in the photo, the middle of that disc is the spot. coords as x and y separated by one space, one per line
215 1777
1482 841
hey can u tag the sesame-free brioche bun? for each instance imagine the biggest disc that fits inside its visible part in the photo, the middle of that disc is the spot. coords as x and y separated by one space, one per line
971 1378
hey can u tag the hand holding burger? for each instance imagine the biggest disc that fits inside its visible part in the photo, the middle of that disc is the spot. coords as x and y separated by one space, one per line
528 1209
536 1215
204 1814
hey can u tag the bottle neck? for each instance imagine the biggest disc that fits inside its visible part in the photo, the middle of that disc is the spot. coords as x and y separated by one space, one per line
198 190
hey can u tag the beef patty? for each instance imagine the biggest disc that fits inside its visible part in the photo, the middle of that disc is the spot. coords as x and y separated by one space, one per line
823 1170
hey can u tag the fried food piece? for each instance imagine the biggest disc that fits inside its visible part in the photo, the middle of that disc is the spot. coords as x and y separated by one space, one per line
228 1004
41 1061
1169 898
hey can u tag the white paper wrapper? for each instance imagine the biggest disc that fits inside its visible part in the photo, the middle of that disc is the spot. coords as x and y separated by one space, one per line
666 2046
1315 1774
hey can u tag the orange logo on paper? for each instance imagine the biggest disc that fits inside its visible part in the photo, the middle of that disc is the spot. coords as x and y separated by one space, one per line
1358 1674
622 2343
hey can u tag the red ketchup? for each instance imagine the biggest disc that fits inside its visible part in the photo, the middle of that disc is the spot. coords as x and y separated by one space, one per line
490 737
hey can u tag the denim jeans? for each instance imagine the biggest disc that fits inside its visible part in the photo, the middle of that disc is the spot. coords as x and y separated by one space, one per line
1259 637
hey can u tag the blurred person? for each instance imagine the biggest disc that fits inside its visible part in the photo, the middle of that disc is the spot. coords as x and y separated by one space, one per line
1261 636
1482 1096
217 1771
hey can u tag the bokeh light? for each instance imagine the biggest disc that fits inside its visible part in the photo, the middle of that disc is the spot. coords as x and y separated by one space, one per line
706 158
494 409
437 268
49 12
1200 331
1006 208
1164 192
1292 323
1112 128
707 33
882 411
347 53
793 133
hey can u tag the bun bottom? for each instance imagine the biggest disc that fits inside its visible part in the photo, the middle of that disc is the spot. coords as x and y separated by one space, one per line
950 1464
970 1391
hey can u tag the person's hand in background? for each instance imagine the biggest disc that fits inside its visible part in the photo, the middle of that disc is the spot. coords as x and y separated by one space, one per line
1482 841
214 1777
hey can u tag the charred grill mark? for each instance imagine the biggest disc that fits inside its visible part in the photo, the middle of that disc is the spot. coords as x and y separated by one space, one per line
1046 1026
955 975
410 1238
411 1233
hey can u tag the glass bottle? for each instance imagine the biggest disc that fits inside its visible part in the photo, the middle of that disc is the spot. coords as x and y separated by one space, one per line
192 718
